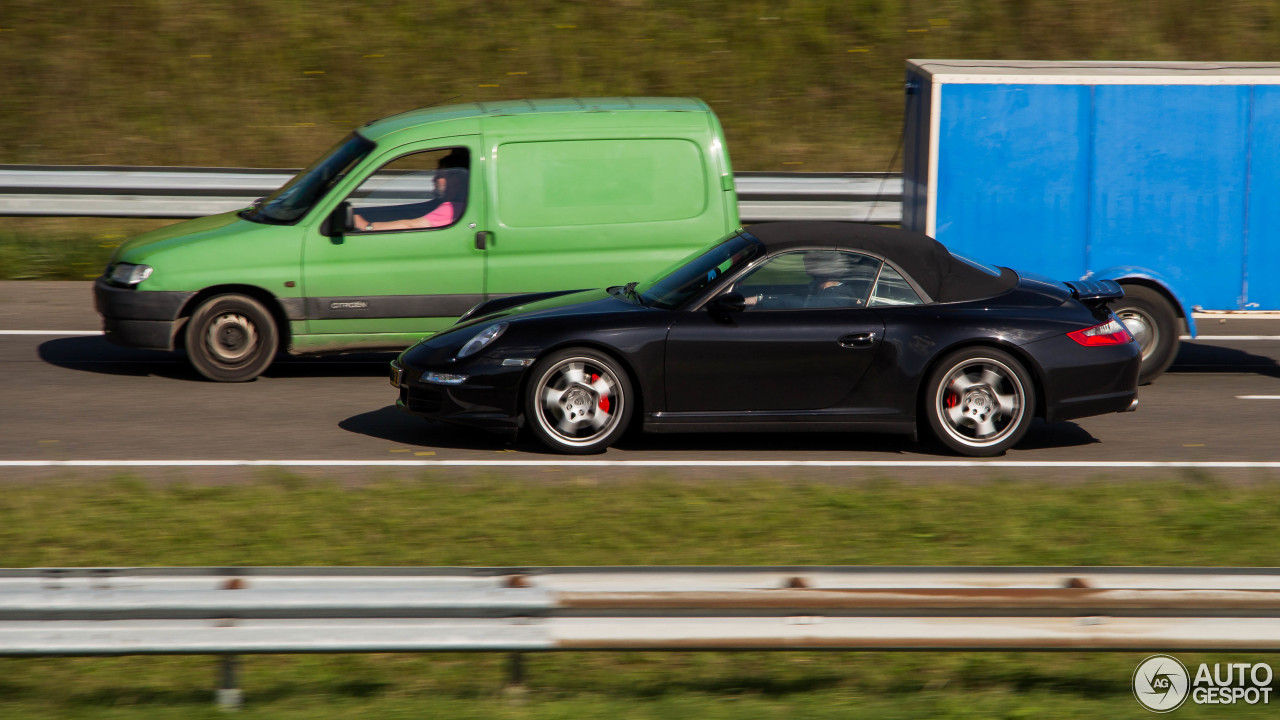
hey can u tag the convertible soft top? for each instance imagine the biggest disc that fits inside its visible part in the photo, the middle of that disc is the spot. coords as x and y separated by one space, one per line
926 260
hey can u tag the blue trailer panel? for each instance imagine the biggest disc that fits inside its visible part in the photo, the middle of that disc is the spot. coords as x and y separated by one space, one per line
1169 183
1020 148
1262 239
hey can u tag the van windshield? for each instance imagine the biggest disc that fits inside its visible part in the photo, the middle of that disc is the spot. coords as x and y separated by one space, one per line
681 282
288 204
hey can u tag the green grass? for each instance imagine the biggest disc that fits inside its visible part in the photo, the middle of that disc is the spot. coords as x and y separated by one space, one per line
287 520
63 248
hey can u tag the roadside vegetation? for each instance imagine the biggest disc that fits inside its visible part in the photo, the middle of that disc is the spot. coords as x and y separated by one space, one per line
64 248
799 85
282 519
806 85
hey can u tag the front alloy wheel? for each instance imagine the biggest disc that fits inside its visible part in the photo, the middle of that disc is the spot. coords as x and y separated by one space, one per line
578 401
980 401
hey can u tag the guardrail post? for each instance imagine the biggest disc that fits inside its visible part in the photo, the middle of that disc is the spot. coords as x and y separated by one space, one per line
515 671
230 696
515 660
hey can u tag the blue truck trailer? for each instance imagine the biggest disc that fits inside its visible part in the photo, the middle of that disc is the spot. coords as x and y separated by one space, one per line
1157 175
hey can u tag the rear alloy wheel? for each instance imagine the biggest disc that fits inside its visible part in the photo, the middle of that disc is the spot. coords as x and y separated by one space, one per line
1153 325
231 338
578 401
980 401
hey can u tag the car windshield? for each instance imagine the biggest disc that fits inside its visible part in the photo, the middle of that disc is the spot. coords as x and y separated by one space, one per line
682 281
288 204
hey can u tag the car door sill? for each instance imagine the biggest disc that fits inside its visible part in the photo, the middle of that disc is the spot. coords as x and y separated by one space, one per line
870 420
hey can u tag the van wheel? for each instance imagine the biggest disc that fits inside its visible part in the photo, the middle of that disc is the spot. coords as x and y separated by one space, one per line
1154 326
578 401
231 338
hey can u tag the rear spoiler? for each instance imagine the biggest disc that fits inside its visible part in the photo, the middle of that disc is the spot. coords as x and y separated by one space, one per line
1095 291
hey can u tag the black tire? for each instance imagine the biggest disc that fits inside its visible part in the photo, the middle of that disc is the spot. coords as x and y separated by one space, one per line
578 401
979 401
1154 326
231 338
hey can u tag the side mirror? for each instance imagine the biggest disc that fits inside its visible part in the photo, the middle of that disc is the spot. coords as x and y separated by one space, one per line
340 221
730 302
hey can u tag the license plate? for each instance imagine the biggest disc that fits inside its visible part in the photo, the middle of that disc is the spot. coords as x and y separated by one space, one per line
396 371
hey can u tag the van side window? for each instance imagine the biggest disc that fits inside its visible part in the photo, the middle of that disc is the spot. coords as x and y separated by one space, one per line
419 191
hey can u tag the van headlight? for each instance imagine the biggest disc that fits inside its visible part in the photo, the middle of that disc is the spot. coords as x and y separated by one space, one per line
482 339
128 274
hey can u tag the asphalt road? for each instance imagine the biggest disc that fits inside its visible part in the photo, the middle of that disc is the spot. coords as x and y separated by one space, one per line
68 395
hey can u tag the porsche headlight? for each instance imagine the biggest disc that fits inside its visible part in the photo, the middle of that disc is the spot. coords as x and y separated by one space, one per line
482 339
128 274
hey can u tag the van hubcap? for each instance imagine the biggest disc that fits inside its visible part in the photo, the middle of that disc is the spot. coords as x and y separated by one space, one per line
232 337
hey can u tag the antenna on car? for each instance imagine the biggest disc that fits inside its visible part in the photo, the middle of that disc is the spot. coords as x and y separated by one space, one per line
902 136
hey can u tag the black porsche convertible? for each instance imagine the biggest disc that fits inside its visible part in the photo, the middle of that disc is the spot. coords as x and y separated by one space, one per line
781 327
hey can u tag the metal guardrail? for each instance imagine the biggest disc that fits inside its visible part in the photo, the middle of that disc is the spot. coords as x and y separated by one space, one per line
233 611
857 197
338 610
177 192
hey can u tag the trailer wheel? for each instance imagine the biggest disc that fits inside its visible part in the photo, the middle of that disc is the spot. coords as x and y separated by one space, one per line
1154 326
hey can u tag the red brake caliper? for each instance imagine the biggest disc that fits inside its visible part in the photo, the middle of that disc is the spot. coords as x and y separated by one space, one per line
951 400
604 399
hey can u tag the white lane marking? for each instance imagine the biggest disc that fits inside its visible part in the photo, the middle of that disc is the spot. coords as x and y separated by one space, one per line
1198 338
649 463
1238 315
1258 397
50 332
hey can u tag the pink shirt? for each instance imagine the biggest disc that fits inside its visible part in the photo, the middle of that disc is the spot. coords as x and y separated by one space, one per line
442 215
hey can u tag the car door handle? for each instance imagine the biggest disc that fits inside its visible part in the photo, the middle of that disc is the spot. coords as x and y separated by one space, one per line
858 339
482 239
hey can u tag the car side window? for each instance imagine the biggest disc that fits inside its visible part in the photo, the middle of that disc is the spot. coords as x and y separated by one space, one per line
893 289
419 191
810 279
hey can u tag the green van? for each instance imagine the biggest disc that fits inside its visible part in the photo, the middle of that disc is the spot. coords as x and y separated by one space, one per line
411 220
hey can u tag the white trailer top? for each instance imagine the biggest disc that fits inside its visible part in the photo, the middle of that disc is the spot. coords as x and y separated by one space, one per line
1088 72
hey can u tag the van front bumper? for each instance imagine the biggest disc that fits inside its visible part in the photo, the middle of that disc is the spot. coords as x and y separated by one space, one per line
138 318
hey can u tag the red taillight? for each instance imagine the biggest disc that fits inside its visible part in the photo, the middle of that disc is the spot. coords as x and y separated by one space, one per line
1112 332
